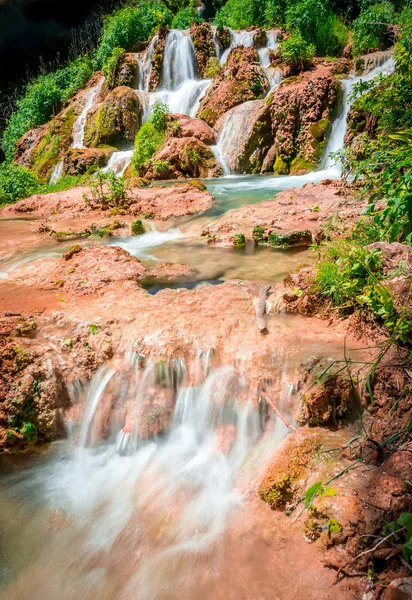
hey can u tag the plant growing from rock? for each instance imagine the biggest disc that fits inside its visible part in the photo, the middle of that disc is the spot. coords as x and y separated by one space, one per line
106 191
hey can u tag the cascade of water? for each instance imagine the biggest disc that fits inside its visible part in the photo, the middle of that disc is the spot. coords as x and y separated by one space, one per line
97 387
56 173
272 38
79 124
118 162
184 100
140 244
179 63
238 38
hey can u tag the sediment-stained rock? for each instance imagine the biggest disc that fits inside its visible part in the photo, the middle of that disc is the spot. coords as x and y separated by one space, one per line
241 79
114 121
202 36
183 157
185 126
78 161
127 71
157 59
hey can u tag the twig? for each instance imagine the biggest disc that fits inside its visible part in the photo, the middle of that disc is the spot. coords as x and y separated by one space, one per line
276 411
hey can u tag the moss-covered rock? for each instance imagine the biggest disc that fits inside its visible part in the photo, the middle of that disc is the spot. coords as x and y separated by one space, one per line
223 37
291 238
127 72
183 157
115 120
137 227
78 161
157 59
202 36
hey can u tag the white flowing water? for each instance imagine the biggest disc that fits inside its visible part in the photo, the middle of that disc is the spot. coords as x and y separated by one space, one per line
80 123
179 63
139 511
139 245
238 38
272 41
78 128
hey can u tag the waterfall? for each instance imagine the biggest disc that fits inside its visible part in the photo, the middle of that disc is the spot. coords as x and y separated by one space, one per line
179 63
78 128
238 38
272 38
80 123
118 162
139 245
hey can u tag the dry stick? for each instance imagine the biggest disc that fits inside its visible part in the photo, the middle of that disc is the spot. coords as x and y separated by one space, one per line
276 411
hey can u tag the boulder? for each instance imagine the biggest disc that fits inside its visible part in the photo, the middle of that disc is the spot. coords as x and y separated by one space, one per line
183 157
115 120
184 126
157 59
202 36
127 71
78 161
241 79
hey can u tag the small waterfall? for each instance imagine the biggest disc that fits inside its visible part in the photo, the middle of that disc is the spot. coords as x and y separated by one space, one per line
220 159
118 162
56 173
145 65
238 38
79 125
179 63
271 43
140 245
186 99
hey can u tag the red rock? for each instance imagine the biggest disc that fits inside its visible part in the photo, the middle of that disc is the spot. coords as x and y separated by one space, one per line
190 127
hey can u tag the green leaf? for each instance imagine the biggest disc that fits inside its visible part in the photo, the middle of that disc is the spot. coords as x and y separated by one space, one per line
327 491
93 329
311 493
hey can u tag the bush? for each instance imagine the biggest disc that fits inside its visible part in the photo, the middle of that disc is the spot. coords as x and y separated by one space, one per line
43 98
109 69
16 183
241 14
185 18
297 53
108 191
150 137
130 25
372 28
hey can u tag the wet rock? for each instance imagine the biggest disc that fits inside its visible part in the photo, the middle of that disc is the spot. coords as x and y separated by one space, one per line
306 210
183 157
24 146
241 79
78 161
185 126
157 59
301 113
89 271
292 238
223 38
115 120
202 36
127 72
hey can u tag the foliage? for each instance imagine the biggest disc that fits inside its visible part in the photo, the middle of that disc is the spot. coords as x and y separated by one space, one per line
130 25
402 529
16 183
109 68
150 137
107 191
185 17
373 27
43 98
241 14
296 52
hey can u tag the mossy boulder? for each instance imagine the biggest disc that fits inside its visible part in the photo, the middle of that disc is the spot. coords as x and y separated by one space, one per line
289 239
78 161
137 227
223 37
202 36
157 59
127 72
291 468
114 121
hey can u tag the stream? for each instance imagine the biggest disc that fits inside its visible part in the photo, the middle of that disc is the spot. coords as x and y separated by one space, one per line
149 497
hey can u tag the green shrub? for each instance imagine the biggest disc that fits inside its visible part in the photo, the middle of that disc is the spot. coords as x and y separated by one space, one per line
372 28
275 13
43 98
130 25
185 18
150 137
108 191
109 68
16 183
296 52
241 14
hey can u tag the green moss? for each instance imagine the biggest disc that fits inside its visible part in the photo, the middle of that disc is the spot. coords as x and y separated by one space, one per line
137 227
300 163
71 251
239 240
29 432
114 121
198 185
148 141
258 234
279 493
209 115
280 167
293 238
212 68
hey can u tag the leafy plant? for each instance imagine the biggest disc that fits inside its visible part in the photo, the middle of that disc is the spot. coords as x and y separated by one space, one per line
16 183
108 191
402 529
372 28
150 137
296 52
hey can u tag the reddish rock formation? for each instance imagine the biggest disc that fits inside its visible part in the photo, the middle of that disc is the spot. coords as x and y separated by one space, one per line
190 127
157 59
240 80
202 36
78 161
308 208
157 202
183 157
127 71
115 120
